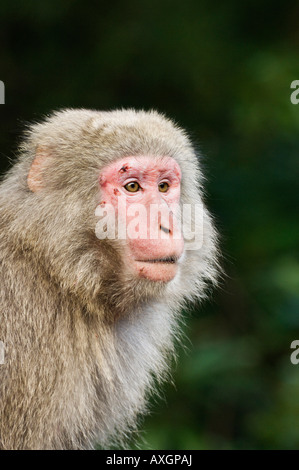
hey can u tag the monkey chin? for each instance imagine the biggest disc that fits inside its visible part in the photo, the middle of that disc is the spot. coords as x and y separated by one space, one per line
156 270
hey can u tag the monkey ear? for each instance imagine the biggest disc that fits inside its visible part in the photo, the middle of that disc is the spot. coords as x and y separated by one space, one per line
35 175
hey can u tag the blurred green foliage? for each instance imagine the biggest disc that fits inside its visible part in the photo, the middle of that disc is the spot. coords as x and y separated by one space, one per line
223 71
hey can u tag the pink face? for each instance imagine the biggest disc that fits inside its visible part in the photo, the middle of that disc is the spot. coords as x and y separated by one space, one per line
153 185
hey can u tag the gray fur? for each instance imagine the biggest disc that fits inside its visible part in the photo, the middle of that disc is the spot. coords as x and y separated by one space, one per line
85 343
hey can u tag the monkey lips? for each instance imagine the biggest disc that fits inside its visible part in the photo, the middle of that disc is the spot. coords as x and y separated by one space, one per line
157 269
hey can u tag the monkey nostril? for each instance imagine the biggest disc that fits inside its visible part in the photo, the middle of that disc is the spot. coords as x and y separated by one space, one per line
166 230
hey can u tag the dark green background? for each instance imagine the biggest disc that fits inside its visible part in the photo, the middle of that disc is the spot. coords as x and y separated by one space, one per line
223 71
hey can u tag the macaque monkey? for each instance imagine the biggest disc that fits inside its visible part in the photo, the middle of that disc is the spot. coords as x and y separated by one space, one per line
88 319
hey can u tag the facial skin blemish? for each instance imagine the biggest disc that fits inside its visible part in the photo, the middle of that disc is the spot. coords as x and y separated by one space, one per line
124 168
102 180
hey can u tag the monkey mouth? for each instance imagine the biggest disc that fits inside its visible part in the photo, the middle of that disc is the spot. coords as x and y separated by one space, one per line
157 269
166 260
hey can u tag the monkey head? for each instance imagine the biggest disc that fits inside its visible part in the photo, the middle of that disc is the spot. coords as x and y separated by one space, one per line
136 170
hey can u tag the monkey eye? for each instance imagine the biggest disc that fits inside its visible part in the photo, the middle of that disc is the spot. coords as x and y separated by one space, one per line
132 187
163 187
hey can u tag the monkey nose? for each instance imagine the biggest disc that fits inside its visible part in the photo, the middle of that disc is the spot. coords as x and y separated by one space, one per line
164 229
